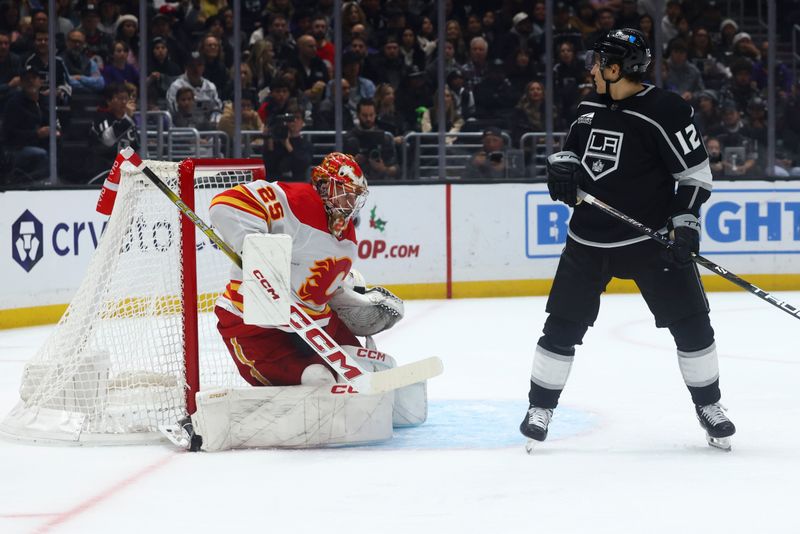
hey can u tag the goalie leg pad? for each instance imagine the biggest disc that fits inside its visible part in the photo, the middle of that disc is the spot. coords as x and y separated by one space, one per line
410 402
292 417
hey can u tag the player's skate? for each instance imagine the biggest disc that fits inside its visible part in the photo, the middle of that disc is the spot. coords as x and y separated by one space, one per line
718 427
182 434
535 424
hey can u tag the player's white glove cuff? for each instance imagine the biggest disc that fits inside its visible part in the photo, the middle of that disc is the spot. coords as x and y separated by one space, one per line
687 220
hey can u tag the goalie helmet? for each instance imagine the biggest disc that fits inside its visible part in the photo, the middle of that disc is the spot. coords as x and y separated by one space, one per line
343 188
627 48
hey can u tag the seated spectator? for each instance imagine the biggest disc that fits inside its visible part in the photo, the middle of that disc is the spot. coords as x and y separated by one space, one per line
476 68
312 73
427 36
109 15
215 70
413 97
161 26
98 43
728 28
324 114
529 114
277 102
584 19
450 64
489 163
127 31
282 41
783 73
287 155
453 34
246 80
647 27
701 54
250 119
163 70
262 62
10 69
117 69
453 120
205 93
325 49
464 98
494 96
669 23
410 50
40 60
360 87
731 135
565 32
755 122
371 147
707 115
187 114
84 73
714 149
628 16
683 76
741 88
113 129
25 130
605 23
567 76
388 118
743 47
388 66
524 68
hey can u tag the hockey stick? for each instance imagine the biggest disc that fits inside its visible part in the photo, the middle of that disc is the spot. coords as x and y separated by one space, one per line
346 366
708 264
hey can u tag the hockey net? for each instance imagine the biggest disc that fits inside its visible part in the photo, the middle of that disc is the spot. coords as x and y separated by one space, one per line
139 337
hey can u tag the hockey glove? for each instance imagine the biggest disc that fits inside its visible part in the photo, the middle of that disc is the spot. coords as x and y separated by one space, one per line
564 176
684 231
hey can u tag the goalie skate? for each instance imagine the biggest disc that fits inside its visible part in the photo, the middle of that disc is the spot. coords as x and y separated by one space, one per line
182 435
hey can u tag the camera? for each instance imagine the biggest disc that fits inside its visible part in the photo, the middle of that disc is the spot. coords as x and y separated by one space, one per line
279 126
495 157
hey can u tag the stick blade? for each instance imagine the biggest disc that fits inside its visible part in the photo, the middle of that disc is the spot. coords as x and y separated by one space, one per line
400 376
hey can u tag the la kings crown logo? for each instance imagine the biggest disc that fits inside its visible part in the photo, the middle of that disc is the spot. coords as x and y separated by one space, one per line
602 153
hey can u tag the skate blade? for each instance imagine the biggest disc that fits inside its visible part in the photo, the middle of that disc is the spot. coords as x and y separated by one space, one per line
176 434
720 443
531 445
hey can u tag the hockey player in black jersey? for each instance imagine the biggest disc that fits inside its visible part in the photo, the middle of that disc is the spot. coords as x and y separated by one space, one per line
630 146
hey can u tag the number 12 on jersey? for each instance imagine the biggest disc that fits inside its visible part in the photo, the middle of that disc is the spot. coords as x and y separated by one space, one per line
688 139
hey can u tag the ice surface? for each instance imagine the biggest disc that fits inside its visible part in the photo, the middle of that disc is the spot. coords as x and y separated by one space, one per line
625 453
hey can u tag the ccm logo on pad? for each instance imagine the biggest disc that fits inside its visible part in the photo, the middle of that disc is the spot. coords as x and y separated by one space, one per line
266 285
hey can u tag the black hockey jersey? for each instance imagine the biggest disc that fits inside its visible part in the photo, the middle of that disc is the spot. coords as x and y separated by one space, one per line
634 151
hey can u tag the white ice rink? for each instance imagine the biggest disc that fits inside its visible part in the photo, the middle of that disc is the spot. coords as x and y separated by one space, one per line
625 455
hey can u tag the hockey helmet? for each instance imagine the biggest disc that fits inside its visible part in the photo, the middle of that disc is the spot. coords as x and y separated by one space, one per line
342 186
627 48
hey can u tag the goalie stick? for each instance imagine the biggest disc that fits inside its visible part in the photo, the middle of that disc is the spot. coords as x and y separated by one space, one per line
346 366
708 264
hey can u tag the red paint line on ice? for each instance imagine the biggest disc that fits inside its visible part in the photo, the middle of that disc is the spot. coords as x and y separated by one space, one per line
93 501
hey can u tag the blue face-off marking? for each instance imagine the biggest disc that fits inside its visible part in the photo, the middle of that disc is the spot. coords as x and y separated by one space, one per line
482 424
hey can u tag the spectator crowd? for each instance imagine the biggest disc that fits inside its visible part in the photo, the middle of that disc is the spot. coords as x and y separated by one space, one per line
494 63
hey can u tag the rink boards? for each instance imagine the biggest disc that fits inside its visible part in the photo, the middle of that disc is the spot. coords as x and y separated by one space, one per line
422 241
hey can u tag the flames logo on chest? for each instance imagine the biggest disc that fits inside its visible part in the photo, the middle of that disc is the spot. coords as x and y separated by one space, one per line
318 288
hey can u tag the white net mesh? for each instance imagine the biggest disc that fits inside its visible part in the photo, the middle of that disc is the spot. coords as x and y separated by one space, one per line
113 369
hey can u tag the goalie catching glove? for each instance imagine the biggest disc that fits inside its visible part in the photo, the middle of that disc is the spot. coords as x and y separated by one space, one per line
365 312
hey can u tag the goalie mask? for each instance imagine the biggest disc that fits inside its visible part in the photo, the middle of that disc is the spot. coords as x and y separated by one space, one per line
343 188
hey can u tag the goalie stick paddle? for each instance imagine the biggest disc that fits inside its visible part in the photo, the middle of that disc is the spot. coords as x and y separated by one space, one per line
705 262
345 365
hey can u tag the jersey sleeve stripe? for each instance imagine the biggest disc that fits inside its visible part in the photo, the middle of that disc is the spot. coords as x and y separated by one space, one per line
243 195
660 129
593 104
699 175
